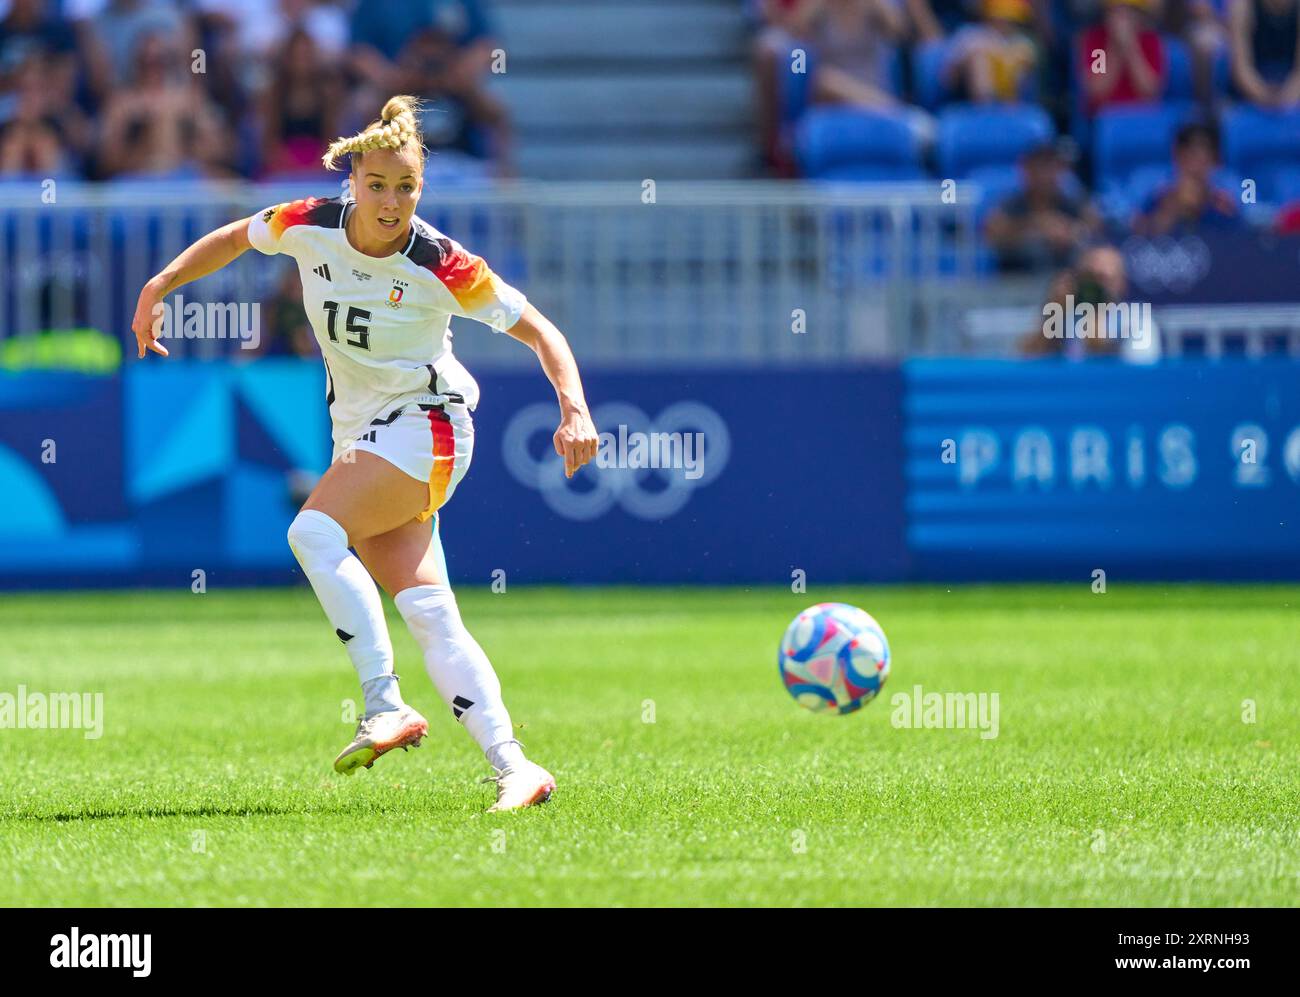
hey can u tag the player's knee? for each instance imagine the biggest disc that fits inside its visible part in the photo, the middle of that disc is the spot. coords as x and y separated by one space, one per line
312 530
298 536
431 606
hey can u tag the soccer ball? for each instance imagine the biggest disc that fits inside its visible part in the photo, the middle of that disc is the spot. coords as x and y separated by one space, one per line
833 657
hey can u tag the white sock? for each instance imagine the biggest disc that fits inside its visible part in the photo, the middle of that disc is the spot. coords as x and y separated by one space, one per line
351 602
382 695
460 670
505 755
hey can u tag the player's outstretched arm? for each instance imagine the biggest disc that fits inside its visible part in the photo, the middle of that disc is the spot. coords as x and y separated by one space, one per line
576 439
208 254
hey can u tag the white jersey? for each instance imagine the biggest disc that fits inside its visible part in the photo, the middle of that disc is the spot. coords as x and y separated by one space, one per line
383 325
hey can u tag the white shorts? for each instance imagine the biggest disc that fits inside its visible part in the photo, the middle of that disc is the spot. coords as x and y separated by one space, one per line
432 443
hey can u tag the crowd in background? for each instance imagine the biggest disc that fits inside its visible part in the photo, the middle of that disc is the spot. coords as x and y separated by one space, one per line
160 89
1039 51
1076 59
123 91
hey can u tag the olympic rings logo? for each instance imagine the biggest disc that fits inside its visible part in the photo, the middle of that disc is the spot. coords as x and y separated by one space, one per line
1167 263
683 429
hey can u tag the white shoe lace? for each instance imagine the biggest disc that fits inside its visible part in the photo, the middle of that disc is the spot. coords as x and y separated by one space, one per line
500 773
499 779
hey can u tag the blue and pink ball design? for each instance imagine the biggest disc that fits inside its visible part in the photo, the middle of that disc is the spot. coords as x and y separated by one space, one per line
834 658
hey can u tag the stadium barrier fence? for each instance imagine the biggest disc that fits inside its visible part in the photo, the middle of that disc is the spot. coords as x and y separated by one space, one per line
174 473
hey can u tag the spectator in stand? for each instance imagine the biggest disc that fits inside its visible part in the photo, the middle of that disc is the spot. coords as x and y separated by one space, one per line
300 109
30 147
38 76
246 43
995 60
382 28
117 30
461 119
29 29
1116 327
162 124
850 44
1122 58
44 134
853 40
1200 24
1041 226
933 20
1190 200
260 28
783 30
1264 36
1207 34
782 24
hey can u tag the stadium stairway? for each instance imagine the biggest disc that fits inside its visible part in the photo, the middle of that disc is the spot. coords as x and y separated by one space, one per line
628 89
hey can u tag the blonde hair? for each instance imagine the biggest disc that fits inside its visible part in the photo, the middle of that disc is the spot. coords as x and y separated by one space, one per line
397 126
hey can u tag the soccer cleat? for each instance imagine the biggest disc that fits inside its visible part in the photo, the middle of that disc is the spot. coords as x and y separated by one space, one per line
521 786
380 733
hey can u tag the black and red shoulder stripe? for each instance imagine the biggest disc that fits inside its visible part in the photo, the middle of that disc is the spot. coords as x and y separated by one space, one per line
468 278
321 212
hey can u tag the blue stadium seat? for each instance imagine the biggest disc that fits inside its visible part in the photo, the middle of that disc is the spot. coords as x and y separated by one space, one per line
1283 186
1125 138
997 182
1180 88
1120 199
1258 143
894 70
1180 80
836 143
928 60
1179 84
1220 73
1226 178
1000 181
795 87
971 135
1145 180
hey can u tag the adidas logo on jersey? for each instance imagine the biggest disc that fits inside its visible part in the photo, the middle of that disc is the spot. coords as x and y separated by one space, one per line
322 271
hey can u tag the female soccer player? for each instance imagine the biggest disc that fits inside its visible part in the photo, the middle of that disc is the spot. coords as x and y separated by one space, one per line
379 287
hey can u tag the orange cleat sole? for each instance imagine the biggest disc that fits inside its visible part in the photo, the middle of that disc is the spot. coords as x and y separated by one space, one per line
408 737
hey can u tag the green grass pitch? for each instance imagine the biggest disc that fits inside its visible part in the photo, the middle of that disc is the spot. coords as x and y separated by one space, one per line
1124 771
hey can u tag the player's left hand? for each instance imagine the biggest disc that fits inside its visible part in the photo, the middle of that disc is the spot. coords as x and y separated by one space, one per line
145 324
576 440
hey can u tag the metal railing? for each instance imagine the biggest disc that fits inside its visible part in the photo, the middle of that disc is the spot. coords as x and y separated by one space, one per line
678 273
1218 330
672 274
993 324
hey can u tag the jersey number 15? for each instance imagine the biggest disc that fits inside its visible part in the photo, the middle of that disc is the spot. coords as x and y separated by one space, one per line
356 323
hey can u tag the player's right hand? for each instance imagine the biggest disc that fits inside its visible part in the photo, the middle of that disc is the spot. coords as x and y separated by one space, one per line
148 319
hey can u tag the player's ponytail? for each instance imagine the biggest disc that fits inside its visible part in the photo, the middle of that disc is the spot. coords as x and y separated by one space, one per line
398 125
